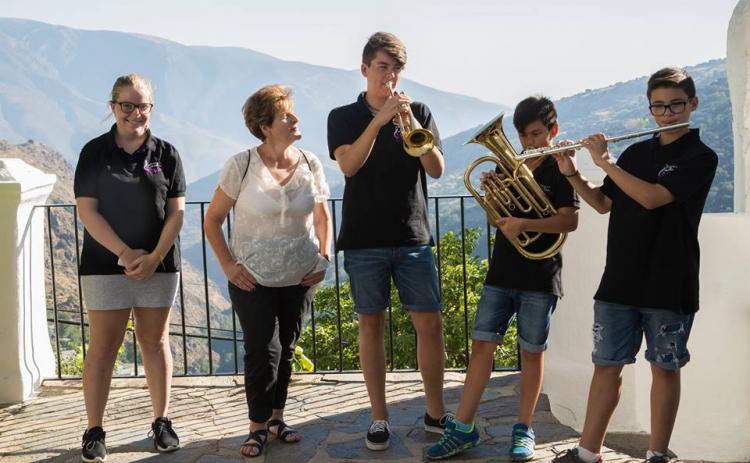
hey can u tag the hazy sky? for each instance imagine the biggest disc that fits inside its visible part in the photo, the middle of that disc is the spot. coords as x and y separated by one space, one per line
497 50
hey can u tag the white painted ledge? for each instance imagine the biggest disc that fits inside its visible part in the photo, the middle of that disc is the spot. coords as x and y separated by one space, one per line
26 356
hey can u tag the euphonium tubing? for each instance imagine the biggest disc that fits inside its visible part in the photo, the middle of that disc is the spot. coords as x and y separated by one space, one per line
515 189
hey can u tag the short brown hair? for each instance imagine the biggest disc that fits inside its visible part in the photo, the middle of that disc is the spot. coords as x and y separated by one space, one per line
671 77
260 108
388 44
130 80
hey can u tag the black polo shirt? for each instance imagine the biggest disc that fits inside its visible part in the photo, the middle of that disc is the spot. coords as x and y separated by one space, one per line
385 202
653 255
132 192
508 268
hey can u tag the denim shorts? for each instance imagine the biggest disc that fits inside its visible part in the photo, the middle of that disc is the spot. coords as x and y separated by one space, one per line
412 269
498 306
619 330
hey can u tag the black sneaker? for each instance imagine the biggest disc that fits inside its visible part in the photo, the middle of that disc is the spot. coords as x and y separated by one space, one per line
165 439
378 436
437 425
569 456
659 459
93 449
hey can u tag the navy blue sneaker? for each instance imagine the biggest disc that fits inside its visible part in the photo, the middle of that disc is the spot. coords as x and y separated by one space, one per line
522 443
453 442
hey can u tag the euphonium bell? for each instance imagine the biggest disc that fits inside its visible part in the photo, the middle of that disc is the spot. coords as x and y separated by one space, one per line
417 140
514 189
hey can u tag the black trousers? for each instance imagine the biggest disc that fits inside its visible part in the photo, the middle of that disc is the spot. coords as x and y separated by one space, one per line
271 320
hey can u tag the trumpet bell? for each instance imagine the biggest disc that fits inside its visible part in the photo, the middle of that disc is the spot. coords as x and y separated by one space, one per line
418 142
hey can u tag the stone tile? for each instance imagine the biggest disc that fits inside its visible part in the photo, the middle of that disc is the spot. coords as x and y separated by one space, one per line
210 414
313 437
222 459
356 450
420 436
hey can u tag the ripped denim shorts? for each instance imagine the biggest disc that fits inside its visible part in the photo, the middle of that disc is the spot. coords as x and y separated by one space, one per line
619 330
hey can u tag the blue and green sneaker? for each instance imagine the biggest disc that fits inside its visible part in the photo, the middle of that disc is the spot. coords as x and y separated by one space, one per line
522 443
453 442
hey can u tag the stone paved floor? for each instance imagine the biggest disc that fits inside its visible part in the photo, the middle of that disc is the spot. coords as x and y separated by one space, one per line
331 411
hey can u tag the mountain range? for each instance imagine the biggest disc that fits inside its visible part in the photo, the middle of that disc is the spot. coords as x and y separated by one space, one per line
55 83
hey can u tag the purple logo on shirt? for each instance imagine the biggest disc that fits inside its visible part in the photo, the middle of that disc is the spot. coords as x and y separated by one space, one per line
397 134
666 170
152 168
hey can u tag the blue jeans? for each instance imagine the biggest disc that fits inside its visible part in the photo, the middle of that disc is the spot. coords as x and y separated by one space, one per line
498 306
619 330
413 271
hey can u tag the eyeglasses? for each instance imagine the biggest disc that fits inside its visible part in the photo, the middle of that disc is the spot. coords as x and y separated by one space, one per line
676 107
128 107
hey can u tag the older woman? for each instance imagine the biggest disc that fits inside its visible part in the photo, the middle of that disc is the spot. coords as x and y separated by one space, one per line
279 251
129 188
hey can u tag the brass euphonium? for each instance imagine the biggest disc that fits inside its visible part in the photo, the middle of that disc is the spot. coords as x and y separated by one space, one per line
512 189
417 140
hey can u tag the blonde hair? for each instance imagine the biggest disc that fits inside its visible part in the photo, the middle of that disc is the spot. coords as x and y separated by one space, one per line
131 80
260 108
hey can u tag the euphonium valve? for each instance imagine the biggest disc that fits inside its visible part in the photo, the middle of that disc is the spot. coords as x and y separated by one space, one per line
513 189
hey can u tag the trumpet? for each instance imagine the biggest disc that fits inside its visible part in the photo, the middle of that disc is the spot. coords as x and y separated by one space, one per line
535 153
417 140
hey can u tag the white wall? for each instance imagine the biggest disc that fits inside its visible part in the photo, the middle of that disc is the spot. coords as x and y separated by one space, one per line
714 419
738 73
26 356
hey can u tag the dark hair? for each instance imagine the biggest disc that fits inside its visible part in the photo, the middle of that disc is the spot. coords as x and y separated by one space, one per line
534 108
671 77
260 108
388 44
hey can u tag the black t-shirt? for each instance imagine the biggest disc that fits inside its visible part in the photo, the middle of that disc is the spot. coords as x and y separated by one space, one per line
508 268
385 202
653 255
132 192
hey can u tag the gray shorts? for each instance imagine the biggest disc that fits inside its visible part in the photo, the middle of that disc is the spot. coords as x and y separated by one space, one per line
108 292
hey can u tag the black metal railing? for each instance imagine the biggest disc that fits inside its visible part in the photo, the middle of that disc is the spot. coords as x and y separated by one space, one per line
191 340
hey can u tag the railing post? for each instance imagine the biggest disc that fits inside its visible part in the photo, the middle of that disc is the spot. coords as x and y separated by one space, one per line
26 356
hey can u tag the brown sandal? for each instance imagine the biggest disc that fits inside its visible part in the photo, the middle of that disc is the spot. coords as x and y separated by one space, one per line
283 431
260 437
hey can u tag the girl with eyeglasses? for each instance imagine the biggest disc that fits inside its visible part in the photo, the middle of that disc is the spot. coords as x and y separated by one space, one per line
130 194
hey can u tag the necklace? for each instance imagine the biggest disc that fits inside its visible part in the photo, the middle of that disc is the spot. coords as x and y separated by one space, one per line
372 110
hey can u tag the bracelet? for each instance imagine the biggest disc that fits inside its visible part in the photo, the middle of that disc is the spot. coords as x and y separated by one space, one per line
572 175
161 259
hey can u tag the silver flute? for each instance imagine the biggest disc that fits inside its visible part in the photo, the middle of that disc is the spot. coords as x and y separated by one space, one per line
535 153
